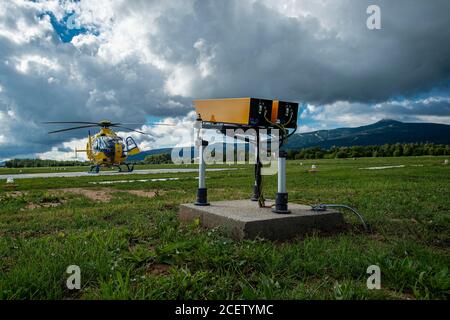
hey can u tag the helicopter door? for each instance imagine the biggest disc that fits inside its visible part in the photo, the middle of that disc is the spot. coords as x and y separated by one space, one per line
132 147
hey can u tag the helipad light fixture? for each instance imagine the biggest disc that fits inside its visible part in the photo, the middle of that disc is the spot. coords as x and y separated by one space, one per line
247 113
237 111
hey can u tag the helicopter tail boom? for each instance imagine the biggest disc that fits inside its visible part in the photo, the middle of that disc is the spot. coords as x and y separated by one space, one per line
79 150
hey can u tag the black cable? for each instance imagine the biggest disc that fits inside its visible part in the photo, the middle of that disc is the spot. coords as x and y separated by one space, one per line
322 207
258 177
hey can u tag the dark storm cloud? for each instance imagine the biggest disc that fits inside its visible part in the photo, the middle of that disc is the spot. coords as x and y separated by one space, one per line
261 52
435 109
418 108
69 85
203 49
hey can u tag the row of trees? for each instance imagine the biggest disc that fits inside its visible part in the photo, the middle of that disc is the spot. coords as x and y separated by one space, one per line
387 150
158 159
33 163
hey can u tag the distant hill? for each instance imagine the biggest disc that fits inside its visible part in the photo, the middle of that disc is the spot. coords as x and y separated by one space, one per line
141 156
382 132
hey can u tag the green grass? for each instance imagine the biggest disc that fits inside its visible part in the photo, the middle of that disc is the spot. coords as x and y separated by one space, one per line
135 248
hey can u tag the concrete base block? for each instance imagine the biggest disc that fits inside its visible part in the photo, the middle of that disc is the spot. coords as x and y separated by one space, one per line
243 219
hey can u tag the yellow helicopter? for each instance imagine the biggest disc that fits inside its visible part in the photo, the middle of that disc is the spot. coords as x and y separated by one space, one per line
106 148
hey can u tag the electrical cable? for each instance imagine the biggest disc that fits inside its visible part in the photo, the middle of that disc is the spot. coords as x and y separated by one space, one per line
282 126
321 207
284 136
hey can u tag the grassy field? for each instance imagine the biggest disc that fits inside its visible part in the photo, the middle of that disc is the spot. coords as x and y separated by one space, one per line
130 245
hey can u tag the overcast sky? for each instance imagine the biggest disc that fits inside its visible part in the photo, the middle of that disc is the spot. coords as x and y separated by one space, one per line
141 61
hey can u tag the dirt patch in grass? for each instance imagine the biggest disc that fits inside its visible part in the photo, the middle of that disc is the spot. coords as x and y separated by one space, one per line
15 194
407 220
106 194
100 195
159 269
398 295
44 201
144 193
169 206
32 206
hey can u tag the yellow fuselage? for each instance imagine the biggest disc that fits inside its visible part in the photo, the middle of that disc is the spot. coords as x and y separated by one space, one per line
106 148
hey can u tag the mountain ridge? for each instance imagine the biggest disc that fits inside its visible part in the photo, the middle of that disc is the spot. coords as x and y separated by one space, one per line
385 131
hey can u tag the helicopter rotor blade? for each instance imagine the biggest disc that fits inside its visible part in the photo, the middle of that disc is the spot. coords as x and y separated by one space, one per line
141 132
108 124
160 124
144 124
74 128
70 122
105 124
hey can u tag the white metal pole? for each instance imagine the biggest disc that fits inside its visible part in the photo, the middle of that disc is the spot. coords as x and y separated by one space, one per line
202 192
202 168
281 175
281 200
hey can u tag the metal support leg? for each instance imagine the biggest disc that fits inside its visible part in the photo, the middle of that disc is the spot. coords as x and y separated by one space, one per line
257 186
281 200
202 192
94 169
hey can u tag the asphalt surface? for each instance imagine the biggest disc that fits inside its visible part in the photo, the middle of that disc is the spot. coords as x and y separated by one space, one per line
101 173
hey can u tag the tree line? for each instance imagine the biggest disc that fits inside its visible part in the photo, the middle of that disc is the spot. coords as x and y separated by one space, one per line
386 150
161 158
34 163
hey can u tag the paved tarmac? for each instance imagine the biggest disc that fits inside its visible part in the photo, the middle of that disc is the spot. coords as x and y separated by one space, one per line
102 173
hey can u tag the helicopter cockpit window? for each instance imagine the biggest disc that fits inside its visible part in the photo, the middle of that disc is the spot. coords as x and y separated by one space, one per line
131 144
95 145
104 143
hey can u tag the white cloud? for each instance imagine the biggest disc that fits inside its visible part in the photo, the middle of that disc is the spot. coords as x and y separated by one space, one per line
434 119
66 151
205 59
152 58
25 27
180 81
434 109
306 128
86 43
36 63
178 132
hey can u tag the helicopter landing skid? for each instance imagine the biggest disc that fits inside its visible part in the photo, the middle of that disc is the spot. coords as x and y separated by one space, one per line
94 169
130 168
